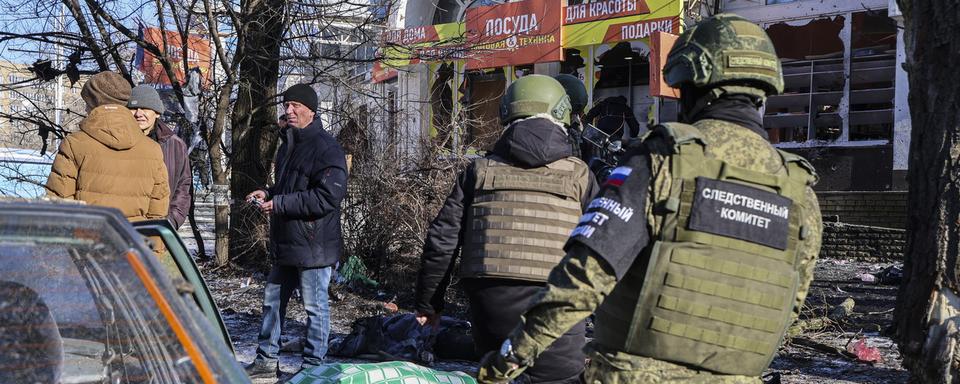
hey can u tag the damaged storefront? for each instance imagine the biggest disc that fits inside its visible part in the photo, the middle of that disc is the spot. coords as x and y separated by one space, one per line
839 106
844 106
845 103
460 66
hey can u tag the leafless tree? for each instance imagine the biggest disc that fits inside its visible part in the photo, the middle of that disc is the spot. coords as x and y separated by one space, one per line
253 43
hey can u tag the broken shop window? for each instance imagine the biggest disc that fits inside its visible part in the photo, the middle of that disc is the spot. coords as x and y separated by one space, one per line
623 66
826 97
811 53
873 59
573 63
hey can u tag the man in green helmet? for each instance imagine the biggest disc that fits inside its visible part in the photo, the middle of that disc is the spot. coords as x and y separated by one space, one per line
698 252
578 101
510 213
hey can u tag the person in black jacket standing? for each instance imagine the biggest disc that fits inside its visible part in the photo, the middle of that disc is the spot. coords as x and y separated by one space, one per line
509 213
615 117
304 209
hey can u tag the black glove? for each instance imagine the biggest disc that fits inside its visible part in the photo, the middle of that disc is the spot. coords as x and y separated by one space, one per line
496 369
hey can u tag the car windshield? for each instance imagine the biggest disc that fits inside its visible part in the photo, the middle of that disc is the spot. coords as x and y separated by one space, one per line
78 305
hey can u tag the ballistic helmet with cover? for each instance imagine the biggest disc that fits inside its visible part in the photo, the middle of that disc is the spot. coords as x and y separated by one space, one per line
725 51
576 91
535 95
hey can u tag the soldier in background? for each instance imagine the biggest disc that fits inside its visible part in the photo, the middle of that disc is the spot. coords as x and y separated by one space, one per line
578 101
510 213
699 251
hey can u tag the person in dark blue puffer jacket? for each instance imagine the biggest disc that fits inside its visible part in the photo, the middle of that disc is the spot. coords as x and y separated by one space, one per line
304 208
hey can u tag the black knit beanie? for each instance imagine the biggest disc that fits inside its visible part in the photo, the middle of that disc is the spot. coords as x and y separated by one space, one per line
303 94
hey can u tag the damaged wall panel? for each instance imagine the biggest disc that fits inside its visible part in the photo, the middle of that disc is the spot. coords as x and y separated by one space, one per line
482 107
851 168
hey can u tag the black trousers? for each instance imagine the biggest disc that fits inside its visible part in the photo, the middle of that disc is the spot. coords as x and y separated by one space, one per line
495 309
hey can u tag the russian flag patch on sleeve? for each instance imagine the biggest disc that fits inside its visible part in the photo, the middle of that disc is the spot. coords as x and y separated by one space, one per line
617 176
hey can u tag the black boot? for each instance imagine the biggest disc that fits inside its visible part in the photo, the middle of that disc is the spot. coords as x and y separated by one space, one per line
261 369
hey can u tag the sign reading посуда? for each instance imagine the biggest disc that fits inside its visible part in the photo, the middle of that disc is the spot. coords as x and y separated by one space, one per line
520 33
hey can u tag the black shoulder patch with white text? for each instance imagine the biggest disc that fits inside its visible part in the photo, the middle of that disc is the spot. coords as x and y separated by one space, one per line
741 212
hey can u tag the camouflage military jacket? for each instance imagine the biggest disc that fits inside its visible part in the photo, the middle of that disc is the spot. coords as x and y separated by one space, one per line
621 222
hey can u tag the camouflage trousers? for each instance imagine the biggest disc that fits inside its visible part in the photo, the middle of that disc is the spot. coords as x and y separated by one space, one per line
621 368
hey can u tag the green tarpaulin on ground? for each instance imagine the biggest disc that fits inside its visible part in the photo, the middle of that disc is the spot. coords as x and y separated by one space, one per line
393 372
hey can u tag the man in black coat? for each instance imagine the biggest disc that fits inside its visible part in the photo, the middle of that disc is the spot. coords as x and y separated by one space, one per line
509 213
615 116
304 209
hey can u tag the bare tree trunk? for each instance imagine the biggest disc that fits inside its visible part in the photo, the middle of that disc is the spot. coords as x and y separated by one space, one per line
254 114
192 218
221 176
928 305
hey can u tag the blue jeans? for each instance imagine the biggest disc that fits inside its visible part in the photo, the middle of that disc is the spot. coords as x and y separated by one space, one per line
313 284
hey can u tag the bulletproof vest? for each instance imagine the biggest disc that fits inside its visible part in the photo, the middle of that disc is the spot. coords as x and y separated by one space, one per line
520 218
717 286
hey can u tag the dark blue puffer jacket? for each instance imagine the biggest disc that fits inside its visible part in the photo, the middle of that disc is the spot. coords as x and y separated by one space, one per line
311 180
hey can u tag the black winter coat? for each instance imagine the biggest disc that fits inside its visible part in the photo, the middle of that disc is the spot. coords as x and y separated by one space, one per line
311 180
615 116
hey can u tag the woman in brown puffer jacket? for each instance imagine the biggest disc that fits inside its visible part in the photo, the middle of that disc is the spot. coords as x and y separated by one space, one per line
109 162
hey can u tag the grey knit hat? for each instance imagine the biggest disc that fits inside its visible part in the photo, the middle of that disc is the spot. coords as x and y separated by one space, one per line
144 96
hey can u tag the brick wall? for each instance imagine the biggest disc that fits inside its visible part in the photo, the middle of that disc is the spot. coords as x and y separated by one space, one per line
877 209
846 241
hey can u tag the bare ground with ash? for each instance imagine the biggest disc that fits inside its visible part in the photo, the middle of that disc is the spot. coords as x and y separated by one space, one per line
819 355
816 355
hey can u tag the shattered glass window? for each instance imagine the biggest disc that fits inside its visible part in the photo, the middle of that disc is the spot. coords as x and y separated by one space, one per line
832 83
811 53
872 75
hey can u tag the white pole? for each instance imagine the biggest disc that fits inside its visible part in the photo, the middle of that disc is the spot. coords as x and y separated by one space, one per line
59 63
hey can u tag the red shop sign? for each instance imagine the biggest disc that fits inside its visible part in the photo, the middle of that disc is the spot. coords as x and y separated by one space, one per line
520 33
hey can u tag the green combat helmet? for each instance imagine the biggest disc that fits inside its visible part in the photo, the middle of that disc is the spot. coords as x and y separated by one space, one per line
533 95
726 52
576 91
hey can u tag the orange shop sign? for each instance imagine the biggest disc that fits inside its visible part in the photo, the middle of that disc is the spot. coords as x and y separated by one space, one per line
519 33
439 42
198 56
381 73
611 21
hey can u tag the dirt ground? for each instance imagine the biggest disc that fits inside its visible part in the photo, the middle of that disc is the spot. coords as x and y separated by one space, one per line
800 361
817 355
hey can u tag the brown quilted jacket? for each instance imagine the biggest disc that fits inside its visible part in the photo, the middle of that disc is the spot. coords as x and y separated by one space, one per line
110 162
